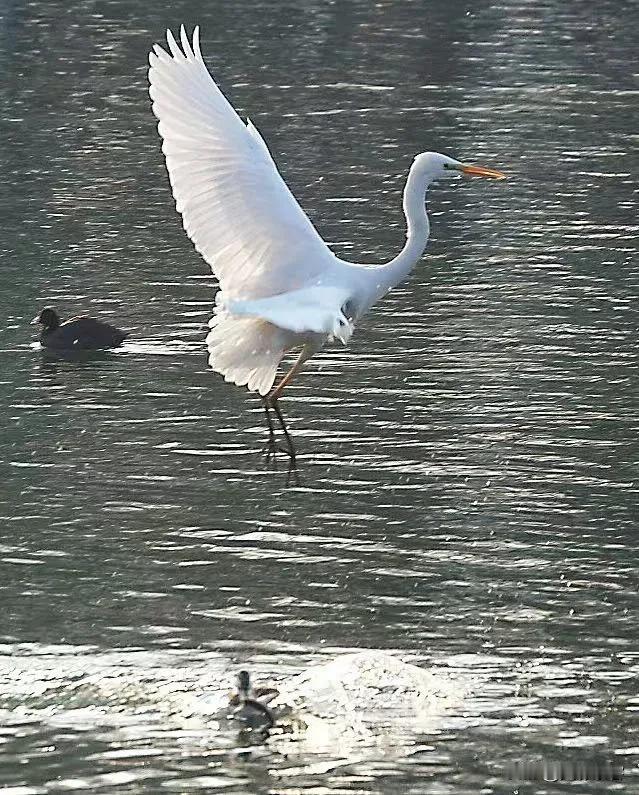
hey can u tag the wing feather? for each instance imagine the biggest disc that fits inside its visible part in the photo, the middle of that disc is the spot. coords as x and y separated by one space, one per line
235 206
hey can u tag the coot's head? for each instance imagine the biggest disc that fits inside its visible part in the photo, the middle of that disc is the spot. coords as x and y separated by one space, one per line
48 317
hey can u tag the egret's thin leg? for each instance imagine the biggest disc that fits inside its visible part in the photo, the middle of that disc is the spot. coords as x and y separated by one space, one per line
276 393
271 401
271 447
269 421
289 441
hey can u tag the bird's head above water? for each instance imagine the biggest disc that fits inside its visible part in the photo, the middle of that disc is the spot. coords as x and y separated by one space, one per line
48 318
243 682
245 692
435 166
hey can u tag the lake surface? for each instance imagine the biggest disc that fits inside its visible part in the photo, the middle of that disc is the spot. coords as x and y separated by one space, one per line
468 464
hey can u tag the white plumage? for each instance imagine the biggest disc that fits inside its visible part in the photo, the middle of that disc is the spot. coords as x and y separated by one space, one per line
316 309
236 207
247 350
281 286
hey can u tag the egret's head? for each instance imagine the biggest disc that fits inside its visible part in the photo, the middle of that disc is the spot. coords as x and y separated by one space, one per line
436 166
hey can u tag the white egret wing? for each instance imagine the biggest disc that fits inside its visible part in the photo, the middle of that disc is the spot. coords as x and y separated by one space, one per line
235 206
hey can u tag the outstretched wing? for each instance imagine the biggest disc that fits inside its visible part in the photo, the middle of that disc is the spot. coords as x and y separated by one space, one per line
235 206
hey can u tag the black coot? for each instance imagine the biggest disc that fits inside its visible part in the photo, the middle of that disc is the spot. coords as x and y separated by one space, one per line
78 333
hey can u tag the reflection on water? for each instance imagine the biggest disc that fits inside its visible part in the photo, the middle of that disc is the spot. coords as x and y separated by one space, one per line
468 464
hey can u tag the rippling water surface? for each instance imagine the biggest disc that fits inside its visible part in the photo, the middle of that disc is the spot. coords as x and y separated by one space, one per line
468 492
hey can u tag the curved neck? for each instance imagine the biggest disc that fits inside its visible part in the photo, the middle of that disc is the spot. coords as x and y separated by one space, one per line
417 231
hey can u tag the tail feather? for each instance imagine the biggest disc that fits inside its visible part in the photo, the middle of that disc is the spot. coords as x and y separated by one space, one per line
246 350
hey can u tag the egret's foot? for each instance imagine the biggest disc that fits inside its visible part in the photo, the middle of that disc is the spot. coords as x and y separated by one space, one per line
270 451
272 448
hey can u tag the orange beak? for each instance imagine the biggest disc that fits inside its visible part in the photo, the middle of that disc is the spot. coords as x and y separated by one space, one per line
479 171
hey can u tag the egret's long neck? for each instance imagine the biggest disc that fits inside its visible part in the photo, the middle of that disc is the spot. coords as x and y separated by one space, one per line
417 231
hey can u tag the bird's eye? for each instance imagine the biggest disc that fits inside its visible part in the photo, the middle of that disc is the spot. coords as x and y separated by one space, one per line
446 165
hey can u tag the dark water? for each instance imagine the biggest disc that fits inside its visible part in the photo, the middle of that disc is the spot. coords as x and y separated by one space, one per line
469 463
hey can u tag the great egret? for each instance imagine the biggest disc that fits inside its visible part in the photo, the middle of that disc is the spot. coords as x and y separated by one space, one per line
281 287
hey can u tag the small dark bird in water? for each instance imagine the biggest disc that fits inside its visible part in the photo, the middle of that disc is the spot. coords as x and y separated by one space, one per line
249 710
78 333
